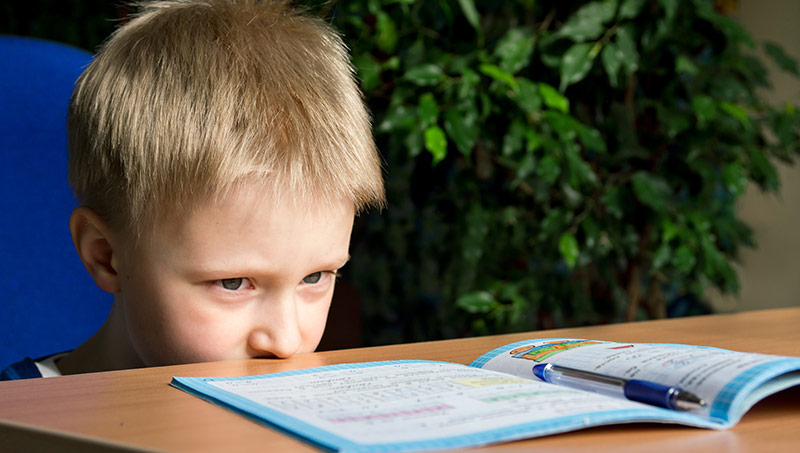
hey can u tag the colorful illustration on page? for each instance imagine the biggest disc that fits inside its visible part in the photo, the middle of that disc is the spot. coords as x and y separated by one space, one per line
541 352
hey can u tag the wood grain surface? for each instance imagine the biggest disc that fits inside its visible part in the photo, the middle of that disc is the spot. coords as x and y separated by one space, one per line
137 409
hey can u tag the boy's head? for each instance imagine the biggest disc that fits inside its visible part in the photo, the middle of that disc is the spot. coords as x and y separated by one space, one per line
191 96
220 149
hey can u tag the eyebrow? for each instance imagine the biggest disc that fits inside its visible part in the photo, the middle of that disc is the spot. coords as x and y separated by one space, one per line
201 271
336 263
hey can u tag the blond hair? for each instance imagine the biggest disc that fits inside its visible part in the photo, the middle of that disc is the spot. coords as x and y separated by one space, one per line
191 96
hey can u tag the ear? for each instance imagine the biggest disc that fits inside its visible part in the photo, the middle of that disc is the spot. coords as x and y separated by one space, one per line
94 243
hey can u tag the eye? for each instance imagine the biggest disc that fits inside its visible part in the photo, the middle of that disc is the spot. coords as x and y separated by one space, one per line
234 284
319 278
313 278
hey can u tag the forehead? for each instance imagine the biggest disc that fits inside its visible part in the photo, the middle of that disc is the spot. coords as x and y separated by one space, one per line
252 224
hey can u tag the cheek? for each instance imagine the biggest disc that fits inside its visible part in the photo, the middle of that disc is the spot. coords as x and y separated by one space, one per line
313 318
173 326
203 333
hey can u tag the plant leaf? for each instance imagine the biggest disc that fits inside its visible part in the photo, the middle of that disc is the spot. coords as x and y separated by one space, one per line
575 64
668 231
630 8
704 108
436 143
525 168
498 74
568 246
476 302
627 46
591 138
781 58
738 112
683 65
553 99
662 256
387 33
587 23
564 125
468 84
461 128
413 142
471 13
683 259
614 203
548 169
670 8
513 140
425 75
527 96
369 71
515 49
428 110
580 171
398 118
651 190
762 170
611 57
735 179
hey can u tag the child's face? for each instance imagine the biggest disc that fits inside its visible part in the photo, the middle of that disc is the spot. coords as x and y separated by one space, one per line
242 277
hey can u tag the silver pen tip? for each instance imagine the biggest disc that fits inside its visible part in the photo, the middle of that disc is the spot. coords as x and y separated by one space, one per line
689 401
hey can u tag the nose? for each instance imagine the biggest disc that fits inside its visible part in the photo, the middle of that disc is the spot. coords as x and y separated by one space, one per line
276 331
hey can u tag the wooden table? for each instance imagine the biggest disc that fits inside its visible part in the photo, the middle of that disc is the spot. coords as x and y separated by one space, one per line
137 409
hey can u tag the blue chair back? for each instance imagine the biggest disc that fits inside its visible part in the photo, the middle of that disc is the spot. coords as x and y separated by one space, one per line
48 302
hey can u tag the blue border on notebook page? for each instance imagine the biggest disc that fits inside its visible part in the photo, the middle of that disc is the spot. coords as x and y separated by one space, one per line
737 390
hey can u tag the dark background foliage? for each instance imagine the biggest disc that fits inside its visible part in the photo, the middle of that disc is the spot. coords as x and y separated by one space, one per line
556 163
83 24
548 163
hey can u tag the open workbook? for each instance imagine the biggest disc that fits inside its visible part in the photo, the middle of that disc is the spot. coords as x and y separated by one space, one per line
425 405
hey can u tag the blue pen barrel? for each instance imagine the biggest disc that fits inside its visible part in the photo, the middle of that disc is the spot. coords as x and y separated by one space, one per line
604 385
649 393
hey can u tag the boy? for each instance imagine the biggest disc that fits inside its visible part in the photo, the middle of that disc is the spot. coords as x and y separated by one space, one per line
220 150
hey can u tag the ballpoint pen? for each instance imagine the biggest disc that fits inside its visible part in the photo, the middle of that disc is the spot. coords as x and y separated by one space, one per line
633 389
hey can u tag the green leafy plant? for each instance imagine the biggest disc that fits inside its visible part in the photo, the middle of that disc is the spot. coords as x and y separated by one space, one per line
556 163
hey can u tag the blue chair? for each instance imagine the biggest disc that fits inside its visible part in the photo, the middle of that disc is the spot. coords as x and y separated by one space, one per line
49 302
